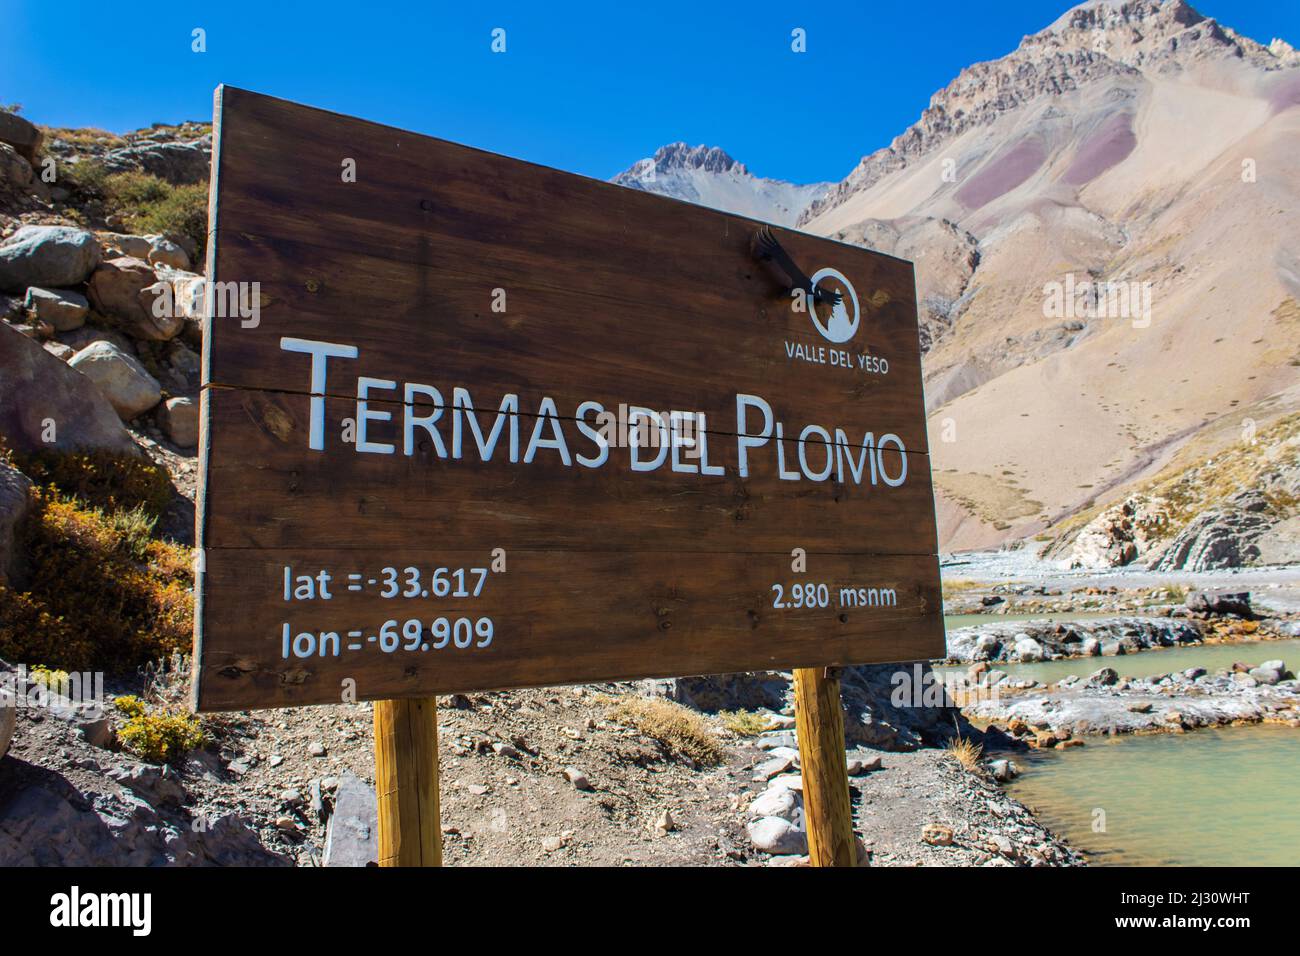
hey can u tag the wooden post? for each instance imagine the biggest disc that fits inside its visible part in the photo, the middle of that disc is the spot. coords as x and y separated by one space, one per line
406 782
819 721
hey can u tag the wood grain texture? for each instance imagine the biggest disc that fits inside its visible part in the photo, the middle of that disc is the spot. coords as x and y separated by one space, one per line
266 489
819 725
406 782
558 617
611 296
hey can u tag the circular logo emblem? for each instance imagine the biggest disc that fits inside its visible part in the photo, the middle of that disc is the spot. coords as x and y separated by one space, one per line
838 322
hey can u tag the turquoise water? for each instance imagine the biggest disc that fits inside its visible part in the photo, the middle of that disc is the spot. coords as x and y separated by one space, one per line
1217 797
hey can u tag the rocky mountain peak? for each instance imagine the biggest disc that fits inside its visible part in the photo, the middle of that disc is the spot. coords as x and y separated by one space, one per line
1111 40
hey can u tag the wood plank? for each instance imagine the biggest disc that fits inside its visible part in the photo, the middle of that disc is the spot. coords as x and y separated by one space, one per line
266 489
625 270
557 616
434 325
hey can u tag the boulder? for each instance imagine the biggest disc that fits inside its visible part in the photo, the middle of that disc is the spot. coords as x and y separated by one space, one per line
1220 602
1223 537
15 504
16 175
179 420
127 289
1027 649
46 404
25 137
129 388
163 251
353 837
134 247
777 836
47 256
63 309
776 802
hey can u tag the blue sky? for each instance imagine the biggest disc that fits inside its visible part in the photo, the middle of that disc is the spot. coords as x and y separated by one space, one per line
589 88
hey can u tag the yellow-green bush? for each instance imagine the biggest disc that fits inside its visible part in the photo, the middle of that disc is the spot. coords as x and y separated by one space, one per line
103 594
100 479
157 736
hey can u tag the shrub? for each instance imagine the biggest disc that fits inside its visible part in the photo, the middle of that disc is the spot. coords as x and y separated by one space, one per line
145 203
965 751
157 736
101 479
104 595
676 728
746 723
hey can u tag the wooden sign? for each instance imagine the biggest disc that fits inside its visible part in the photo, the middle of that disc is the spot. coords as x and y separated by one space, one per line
470 423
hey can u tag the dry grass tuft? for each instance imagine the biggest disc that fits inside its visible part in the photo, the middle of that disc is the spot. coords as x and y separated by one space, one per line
677 728
966 752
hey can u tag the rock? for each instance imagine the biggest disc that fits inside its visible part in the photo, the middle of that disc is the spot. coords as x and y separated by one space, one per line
777 836
353 836
553 844
179 420
8 719
120 378
291 797
663 824
16 175
98 732
128 290
1119 534
48 257
1220 602
158 784
45 404
1270 672
577 778
1223 537
25 137
986 648
63 309
936 834
858 766
15 505
1003 771
316 749
505 750
1104 677
163 251
1027 649
48 822
776 802
773 740
179 163
770 768
745 691
1141 707
136 247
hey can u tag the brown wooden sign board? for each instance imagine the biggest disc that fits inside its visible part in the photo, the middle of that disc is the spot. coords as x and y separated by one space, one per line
364 533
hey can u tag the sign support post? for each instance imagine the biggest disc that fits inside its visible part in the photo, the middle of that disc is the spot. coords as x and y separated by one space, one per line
819 722
406 782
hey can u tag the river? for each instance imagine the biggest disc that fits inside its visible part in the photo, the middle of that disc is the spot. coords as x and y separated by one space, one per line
1220 796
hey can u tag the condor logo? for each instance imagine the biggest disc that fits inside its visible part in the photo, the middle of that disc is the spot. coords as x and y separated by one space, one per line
828 297
836 314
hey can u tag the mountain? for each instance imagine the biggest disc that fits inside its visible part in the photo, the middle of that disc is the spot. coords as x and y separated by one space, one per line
709 177
1132 142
